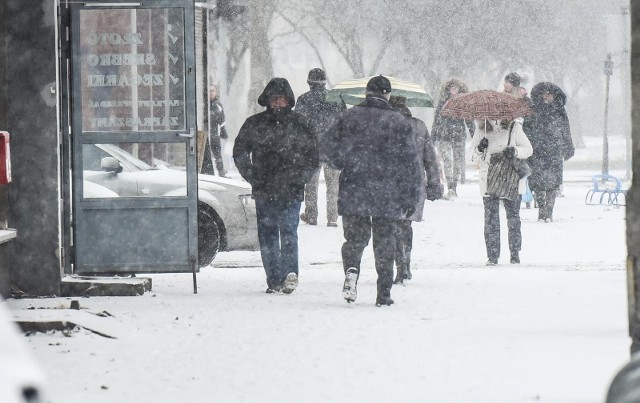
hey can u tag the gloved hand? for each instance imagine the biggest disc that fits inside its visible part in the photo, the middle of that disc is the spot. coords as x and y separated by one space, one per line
484 143
408 211
567 154
509 152
435 192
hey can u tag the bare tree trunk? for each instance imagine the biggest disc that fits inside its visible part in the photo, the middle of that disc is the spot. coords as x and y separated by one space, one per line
261 12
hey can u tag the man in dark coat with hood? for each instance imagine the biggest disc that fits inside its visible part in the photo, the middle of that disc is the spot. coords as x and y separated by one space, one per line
276 152
550 135
380 182
321 113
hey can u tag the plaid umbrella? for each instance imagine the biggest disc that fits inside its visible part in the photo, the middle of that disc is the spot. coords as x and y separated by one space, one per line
352 91
486 104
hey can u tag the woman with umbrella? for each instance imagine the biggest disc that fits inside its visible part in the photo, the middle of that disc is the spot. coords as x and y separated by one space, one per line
449 135
549 132
500 138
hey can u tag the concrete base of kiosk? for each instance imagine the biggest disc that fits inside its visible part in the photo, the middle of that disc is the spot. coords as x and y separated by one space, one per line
84 286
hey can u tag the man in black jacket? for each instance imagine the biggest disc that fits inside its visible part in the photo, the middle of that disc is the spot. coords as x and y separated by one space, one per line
276 152
380 182
321 114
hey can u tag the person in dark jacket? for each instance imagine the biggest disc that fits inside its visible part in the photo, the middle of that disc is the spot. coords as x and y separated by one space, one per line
432 189
374 148
217 131
321 114
276 152
550 135
450 134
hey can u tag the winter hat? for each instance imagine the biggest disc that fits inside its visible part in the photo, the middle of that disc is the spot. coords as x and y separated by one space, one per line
316 76
379 84
513 79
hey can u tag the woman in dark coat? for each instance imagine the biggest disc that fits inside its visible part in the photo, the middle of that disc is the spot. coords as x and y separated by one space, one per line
549 133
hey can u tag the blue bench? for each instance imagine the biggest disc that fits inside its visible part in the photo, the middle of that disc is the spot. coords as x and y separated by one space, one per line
607 190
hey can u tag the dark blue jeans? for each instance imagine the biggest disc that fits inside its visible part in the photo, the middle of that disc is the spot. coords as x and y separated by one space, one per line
278 236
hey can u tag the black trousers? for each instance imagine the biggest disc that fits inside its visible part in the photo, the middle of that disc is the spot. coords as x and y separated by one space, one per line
546 200
492 224
213 154
357 232
404 244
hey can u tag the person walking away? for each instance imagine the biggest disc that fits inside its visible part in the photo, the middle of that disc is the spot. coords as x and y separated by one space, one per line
506 138
276 152
449 135
550 135
432 189
217 131
321 114
375 150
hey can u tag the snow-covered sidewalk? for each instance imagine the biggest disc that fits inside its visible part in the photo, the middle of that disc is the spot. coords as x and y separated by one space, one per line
552 329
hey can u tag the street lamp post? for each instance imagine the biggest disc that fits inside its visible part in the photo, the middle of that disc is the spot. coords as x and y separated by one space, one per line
608 71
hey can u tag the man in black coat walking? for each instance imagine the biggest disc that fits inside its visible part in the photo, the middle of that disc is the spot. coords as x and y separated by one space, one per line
276 152
374 147
321 114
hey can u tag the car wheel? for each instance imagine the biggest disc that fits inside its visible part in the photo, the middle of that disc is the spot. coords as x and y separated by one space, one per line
208 236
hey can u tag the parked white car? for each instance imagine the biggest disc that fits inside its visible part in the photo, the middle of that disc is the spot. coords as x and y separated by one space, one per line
226 211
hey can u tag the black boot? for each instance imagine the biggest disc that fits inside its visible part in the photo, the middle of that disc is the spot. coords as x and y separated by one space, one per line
492 261
401 275
308 219
384 295
515 257
384 300
541 199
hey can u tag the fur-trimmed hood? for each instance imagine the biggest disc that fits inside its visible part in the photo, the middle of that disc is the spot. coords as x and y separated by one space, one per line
446 87
559 97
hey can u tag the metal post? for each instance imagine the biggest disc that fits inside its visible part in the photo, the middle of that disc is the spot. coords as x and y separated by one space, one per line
608 71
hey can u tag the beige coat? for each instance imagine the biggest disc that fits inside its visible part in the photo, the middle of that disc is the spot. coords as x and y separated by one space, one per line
497 143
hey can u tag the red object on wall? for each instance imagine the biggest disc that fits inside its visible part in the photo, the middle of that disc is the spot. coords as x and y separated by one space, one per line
5 159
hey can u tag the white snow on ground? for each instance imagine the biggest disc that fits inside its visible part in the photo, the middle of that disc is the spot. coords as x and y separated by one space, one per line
552 329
